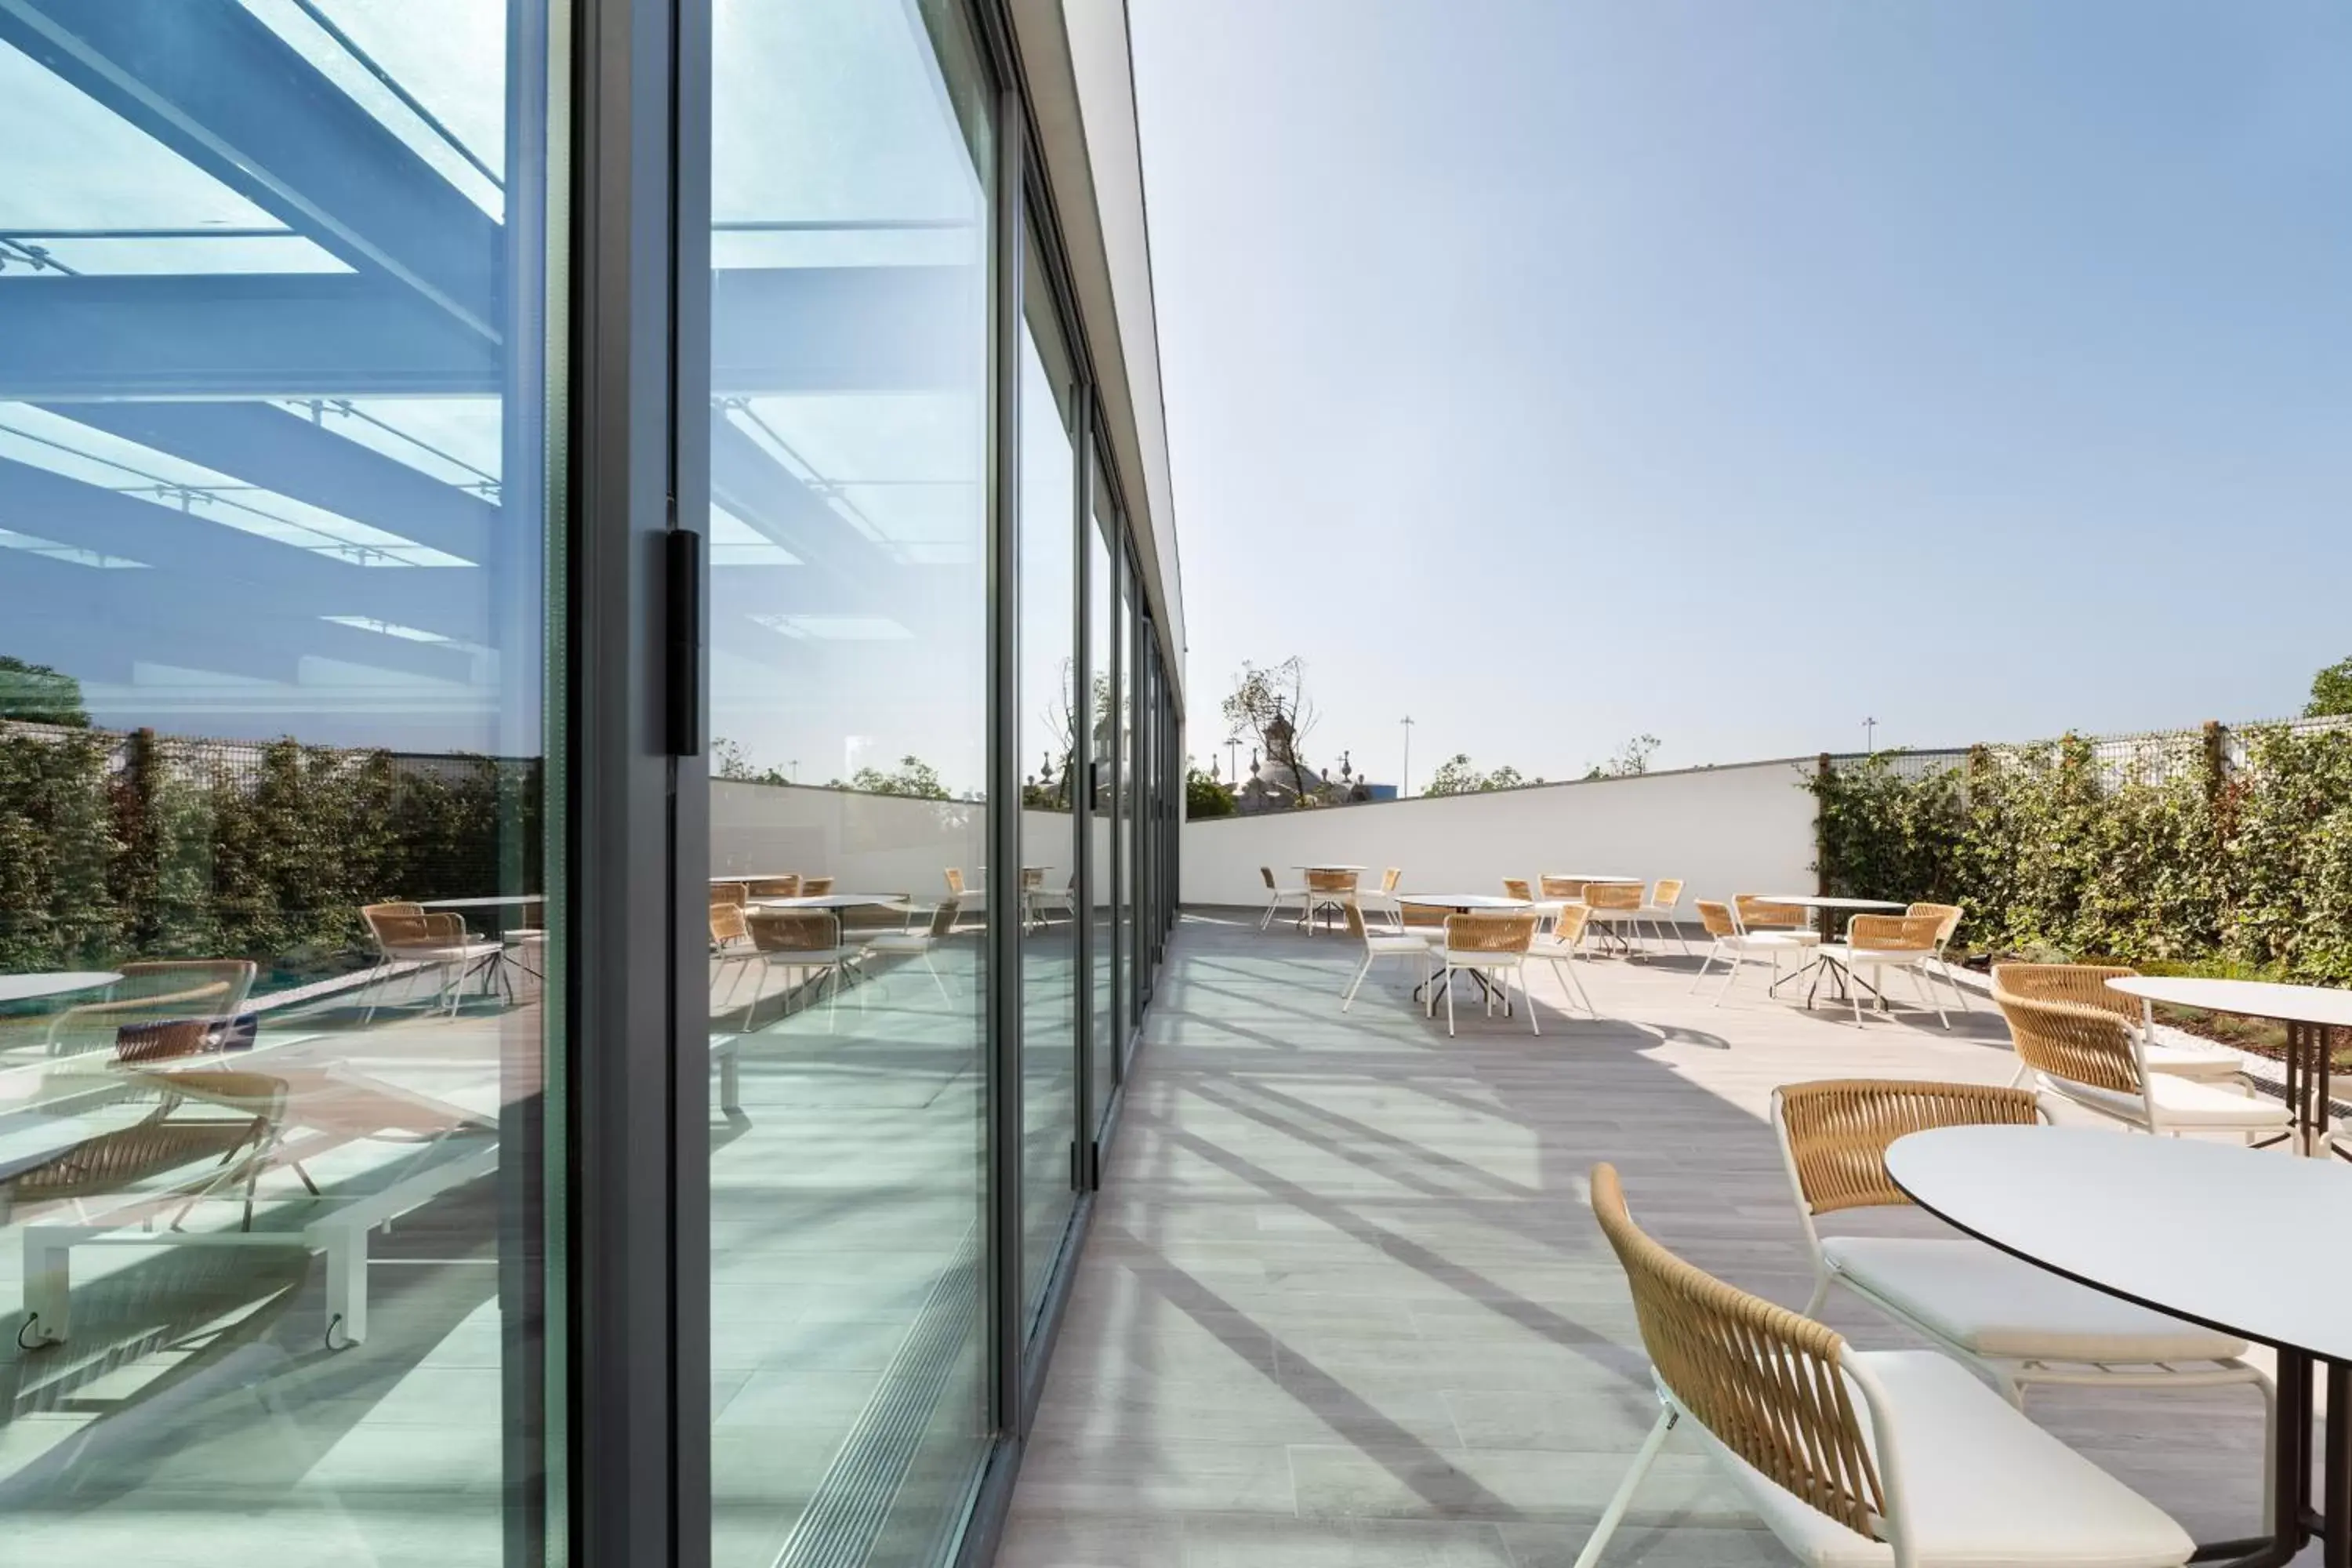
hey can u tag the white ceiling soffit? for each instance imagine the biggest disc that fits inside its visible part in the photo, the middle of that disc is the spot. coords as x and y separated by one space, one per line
1074 55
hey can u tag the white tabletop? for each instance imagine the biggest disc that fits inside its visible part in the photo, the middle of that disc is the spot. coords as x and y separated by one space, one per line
834 901
2236 1239
1461 902
2247 998
24 987
483 903
1824 901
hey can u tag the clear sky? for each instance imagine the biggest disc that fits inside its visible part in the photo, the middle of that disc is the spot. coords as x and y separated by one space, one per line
1557 371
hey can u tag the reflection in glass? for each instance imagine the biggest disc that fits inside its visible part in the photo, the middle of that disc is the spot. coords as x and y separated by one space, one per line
1102 929
851 162
1051 714
278 938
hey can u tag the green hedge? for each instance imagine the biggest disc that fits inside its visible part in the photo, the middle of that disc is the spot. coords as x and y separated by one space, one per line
2171 857
179 850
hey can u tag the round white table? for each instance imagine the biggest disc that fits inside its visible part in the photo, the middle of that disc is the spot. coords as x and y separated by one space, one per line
1825 908
54 983
2309 1011
2230 1237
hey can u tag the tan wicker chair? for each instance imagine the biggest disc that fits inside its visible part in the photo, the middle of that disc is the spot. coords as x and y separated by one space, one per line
205 992
1563 950
2086 985
1929 1467
909 943
1881 943
1494 947
776 887
1382 944
1948 917
1757 914
1616 911
1426 922
209 1115
2094 1059
1730 942
1329 890
1663 912
815 887
807 943
1276 895
1516 888
1567 890
436 941
1382 901
732 949
2014 1322
729 892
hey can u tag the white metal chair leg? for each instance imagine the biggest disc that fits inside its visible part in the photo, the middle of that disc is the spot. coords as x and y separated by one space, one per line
1449 1000
1704 965
1527 997
1612 1516
1350 999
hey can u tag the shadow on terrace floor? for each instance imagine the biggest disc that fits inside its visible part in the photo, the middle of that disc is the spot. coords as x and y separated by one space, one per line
1344 1301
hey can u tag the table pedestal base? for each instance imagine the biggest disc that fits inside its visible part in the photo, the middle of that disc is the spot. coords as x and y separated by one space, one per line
2298 1523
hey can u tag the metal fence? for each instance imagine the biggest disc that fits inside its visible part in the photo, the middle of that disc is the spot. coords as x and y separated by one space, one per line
2145 757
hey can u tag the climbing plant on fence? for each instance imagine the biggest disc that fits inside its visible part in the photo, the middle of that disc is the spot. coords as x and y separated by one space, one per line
115 845
2187 848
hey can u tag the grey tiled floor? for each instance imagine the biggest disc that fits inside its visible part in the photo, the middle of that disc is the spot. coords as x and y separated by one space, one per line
1344 1303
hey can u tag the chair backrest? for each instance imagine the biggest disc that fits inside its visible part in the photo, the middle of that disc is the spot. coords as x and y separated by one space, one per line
1893 933
1482 933
1032 877
1767 1383
729 892
955 880
1330 881
796 930
776 887
1421 914
1834 1134
944 917
1666 892
191 987
2082 984
1390 877
1568 927
1948 918
815 887
1613 895
2080 1045
401 926
167 1006
870 918
1760 914
1356 927
728 924
1516 888
1267 872
1716 919
1560 887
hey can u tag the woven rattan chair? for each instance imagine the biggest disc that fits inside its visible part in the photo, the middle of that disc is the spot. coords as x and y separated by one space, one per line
1495 948
918 944
1948 918
1380 945
1516 888
1565 889
1276 895
807 943
1037 897
731 951
1759 915
1382 901
153 993
1546 911
1734 945
435 941
1426 922
2093 1058
1662 912
776 887
204 1120
1328 892
1563 949
1616 912
2086 985
815 887
1857 1457
2015 1323
733 893
1877 944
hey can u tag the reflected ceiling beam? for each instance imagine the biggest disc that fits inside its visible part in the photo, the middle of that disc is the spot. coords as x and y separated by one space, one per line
236 572
156 619
777 331
209 81
282 451
756 488
232 335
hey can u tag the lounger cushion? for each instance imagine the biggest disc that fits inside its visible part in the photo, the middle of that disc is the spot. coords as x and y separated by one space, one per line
1982 1486
1986 1301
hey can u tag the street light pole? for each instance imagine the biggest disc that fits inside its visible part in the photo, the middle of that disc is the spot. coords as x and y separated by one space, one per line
1870 736
1404 787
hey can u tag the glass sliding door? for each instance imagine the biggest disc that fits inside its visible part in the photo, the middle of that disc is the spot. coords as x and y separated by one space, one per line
1102 870
1052 714
281 936
1124 833
854 154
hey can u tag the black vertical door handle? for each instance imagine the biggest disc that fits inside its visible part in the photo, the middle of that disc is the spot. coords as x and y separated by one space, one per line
683 549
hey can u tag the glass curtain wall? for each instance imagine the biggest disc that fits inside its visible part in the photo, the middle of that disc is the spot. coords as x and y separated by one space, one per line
1123 836
1050 715
853 160
1101 727
281 937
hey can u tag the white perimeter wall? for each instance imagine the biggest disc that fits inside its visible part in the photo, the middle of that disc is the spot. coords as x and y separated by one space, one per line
868 843
1744 829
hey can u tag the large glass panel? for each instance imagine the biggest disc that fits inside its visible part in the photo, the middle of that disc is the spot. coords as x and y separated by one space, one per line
1102 930
1124 738
281 940
850 165
1050 715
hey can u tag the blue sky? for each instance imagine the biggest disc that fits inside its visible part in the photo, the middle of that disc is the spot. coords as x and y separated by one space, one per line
1733 372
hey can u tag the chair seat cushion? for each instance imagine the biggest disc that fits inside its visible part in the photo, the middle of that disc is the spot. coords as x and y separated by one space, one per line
1986 1301
1863 957
1412 945
1982 1486
2208 1062
2179 1102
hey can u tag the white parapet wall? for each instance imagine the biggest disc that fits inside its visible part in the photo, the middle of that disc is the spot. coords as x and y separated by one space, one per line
1742 829
871 843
